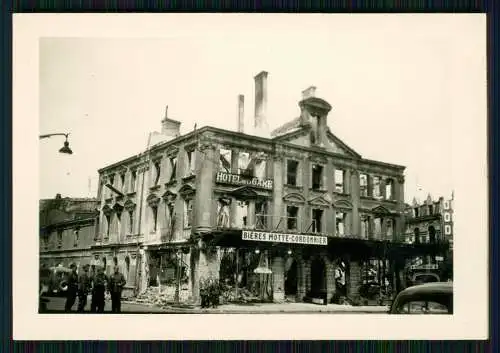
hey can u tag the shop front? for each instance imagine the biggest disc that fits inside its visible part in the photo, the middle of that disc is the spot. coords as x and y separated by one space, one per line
275 267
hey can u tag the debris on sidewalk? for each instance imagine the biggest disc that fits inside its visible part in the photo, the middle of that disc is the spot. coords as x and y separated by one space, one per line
163 296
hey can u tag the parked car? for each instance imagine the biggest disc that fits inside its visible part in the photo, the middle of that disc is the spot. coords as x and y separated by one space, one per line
53 280
428 298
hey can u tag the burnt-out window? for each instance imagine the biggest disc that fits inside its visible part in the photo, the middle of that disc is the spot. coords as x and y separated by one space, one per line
122 180
157 170
292 217
389 189
225 156
340 220
365 226
291 172
108 224
317 216
133 178
363 185
377 192
191 163
339 181
188 213
59 238
77 237
173 168
131 221
261 215
154 215
317 176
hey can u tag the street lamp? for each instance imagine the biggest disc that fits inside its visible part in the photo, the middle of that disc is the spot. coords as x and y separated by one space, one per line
65 149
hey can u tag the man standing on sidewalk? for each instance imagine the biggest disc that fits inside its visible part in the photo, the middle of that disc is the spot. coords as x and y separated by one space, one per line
116 283
98 291
72 282
83 288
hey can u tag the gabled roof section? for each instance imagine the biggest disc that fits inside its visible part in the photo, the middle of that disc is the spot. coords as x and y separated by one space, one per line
381 210
342 204
295 133
286 128
294 197
320 201
245 191
339 145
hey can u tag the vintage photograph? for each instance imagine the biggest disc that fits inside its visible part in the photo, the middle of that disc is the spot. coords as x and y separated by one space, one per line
184 176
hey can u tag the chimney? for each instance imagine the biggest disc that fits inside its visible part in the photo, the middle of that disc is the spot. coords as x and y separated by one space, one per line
260 101
170 128
241 113
309 92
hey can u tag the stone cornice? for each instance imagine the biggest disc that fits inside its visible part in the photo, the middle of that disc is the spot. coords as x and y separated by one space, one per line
73 223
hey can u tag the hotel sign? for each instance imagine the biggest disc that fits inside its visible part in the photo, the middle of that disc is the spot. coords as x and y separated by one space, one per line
424 267
284 238
237 179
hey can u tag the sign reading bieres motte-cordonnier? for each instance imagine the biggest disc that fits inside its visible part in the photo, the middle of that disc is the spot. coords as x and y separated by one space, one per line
284 238
236 179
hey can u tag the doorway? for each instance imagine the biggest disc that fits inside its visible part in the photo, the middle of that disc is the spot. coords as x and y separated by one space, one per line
291 278
318 278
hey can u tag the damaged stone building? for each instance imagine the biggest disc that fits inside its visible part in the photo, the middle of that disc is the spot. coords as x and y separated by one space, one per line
67 229
280 213
429 221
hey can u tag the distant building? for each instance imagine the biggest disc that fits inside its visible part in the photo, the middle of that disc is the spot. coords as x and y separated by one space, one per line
67 230
297 202
430 221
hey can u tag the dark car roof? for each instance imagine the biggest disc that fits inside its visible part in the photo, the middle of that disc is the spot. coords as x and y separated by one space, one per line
421 291
429 288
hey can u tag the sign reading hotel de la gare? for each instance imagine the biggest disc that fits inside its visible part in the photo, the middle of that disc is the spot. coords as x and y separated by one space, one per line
284 238
236 179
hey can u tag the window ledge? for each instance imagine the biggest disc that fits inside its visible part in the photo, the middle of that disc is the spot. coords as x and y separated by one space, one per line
291 186
390 200
341 193
188 177
171 182
319 190
154 187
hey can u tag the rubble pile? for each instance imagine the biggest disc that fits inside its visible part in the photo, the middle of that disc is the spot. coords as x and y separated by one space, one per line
161 296
244 295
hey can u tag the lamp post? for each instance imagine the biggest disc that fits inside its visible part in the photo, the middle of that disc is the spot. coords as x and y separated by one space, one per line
65 149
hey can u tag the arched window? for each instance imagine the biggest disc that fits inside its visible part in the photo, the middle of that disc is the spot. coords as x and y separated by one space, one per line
416 232
432 234
127 267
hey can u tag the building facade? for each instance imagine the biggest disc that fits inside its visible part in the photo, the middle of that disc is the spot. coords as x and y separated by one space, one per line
285 208
430 221
67 231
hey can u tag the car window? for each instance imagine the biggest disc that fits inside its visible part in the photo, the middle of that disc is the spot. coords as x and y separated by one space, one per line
423 307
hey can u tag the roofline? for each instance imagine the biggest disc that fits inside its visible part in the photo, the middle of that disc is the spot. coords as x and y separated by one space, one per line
270 141
384 164
83 221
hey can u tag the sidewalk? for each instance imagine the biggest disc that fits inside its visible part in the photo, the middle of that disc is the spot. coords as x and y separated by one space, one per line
288 308
56 305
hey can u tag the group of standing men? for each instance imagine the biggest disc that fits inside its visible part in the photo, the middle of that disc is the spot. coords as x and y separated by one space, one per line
80 285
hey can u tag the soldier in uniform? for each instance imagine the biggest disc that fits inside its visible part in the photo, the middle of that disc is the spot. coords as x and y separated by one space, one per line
84 283
98 291
72 282
116 283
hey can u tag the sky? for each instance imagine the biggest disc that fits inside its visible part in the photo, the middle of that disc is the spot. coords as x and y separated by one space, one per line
396 84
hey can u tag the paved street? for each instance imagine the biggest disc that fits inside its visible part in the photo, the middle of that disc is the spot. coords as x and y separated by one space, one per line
56 305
